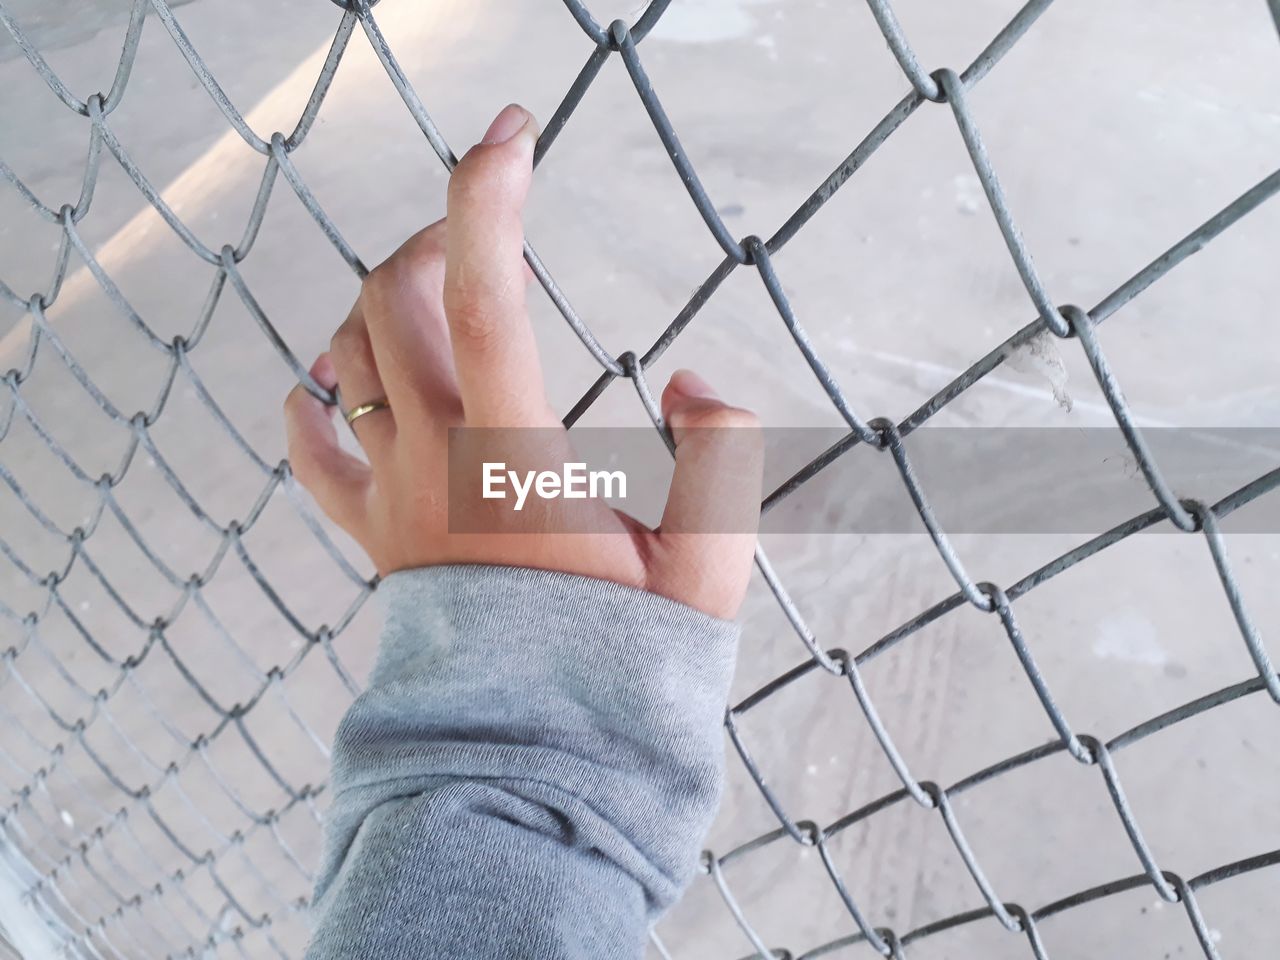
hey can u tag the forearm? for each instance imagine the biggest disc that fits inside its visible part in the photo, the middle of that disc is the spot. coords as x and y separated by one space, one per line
530 773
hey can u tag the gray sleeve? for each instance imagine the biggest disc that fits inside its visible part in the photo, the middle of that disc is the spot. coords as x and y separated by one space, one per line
530 773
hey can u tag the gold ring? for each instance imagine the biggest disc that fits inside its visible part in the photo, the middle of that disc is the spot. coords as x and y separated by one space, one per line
355 413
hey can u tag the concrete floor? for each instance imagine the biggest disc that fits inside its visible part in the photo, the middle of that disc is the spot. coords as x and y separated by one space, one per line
1115 128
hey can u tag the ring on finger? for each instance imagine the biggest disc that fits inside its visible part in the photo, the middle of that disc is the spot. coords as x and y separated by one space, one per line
373 406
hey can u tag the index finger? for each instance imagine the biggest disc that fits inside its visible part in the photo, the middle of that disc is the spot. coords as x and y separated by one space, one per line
494 350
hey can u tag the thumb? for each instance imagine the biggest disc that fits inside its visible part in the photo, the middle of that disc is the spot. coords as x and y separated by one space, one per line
708 531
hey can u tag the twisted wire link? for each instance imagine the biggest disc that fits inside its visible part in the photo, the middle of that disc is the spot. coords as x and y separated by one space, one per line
102 908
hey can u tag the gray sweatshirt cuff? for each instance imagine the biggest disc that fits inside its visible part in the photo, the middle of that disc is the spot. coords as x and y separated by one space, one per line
596 703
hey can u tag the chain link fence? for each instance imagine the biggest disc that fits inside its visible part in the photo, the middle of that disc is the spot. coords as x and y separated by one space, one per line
125 832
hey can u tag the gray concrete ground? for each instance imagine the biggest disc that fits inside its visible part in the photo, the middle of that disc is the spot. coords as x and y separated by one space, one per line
1115 128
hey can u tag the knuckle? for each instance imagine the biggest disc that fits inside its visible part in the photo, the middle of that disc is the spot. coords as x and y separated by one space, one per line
346 340
424 249
730 433
293 400
721 417
379 282
471 317
408 273
472 178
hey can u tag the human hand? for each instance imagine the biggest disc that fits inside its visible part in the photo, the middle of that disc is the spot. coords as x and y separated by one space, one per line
441 334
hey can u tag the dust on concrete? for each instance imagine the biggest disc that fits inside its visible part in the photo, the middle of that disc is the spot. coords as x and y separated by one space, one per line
49 27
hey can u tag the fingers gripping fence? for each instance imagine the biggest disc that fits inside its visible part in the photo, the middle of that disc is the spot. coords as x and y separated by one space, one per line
132 910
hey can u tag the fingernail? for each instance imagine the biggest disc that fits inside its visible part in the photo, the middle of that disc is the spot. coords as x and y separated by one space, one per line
323 372
689 384
507 124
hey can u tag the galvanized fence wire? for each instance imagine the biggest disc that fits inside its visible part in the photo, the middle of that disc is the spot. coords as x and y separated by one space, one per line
51 883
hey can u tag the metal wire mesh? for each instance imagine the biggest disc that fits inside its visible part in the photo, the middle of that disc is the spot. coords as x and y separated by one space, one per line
124 884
